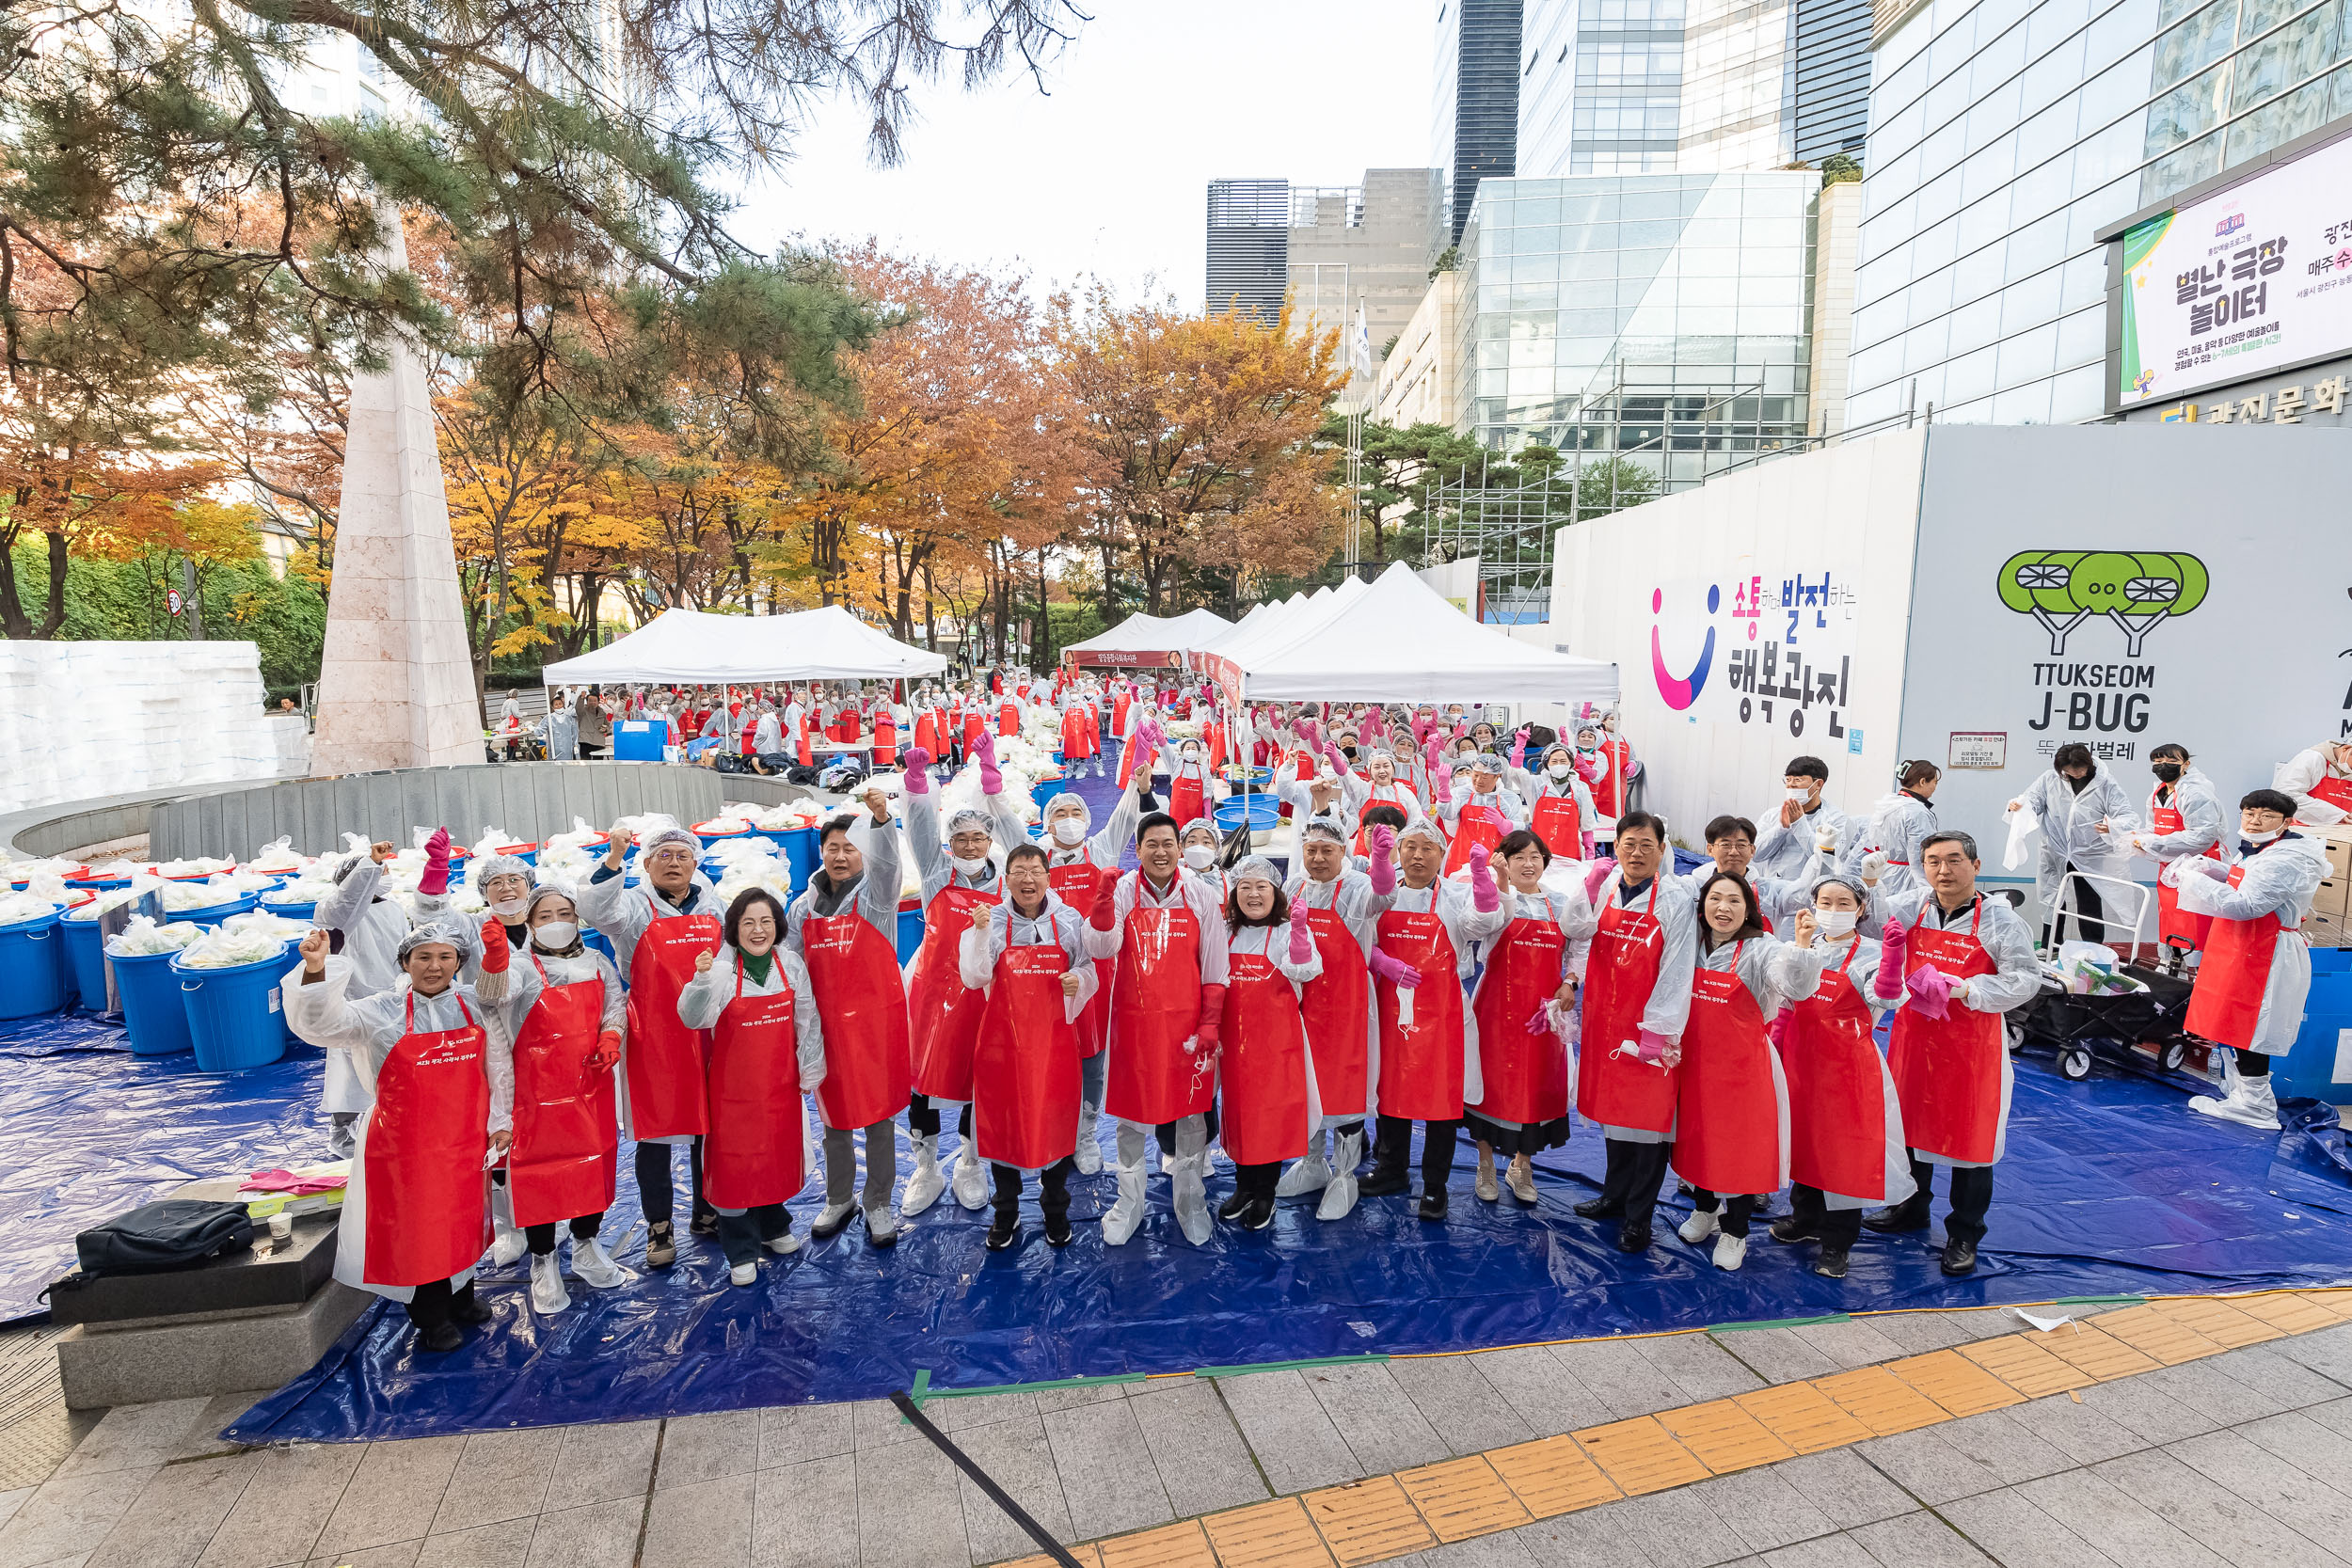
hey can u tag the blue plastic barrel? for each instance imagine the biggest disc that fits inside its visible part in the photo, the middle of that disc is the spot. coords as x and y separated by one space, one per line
800 852
300 910
210 914
710 839
1264 811
150 1003
99 884
86 960
236 1019
33 975
1044 790
601 942
910 928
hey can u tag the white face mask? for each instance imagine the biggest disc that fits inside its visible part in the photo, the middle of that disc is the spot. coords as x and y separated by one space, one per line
1069 831
969 867
510 910
1191 755
2261 838
1200 857
1834 922
1560 769
555 936
1800 796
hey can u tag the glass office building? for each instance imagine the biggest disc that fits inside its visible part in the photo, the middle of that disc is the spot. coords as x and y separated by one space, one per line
1658 317
2006 134
1475 110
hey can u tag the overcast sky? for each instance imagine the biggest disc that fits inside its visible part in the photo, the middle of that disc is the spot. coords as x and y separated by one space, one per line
1108 172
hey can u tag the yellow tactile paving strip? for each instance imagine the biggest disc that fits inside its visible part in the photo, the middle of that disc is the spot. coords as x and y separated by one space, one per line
1390 1516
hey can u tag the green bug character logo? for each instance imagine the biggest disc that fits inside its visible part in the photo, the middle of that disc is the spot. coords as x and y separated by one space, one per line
2136 590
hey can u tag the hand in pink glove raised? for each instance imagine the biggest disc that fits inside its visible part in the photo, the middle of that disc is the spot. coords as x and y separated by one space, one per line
918 770
1404 977
1595 875
1587 768
1484 895
1894 941
1383 859
1931 990
1518 749
434 882
984 751
1591 846
1302 934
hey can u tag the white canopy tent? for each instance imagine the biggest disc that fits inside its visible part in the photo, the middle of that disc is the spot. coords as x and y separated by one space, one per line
692 648
1149 640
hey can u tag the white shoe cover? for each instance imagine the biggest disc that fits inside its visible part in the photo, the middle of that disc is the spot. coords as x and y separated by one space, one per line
783 1245
1730 1251
1311 1175
743 1274
971 1178
1126 1214
1190 1195
2250 1104
1697 1227
1090 1154
926 1184
506 1243
1339 1196
595 1267
547 1285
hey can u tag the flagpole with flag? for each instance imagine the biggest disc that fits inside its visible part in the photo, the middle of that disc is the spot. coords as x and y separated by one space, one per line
1359 394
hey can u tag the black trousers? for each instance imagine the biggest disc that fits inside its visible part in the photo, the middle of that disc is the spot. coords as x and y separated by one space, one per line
1394 1143
1053 1196
923 1116
2088 911
1630 1180
1736 1212
542 1237
1971 1196
656 1189
1165 1133
434 1304
2253 1063
740 1234
1835 1226
1257 1181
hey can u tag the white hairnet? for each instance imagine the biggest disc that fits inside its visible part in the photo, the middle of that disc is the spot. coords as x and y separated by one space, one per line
1070 798
1487 762
673 836
965 819
427 934
1260 867
544 891
1199 824
501 865
1420 830
1321 828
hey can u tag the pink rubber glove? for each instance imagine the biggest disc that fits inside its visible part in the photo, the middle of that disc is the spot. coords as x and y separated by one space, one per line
1894 942
1383 861
991 777
1302 934
1433 758
1404 977
1595 875
1655 1047
1212 1018
1519 749
1592 846
1485 896
1421 728
434 882
1587 768
1541 1022
918 770
1337 758
495 953
1931 991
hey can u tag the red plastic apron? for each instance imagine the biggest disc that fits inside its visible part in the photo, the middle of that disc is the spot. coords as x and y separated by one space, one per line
1421 1068
1837 1090
426 1194
2336 792
885 740
1527 1075
1387 793
2227 1004
1027 1113
1614 1088
1155 1000
566 1136
1186 800
944 1015
2175 926
1078 885
1336 1008
1609 789
1557 821
755 1152
1726 1116
869 1068
1264 1064
1947 1070
1008 718
663 1057
1477 825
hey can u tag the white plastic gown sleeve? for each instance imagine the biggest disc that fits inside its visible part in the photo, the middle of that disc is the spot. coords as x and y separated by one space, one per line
1796 972
977 954
1566 910
371 929
926 842
875 895
2298 776
1193 892
2006 941
707 996
524 986
327 1015
2070 826
2203 823
1786 852
2279 879
1109 844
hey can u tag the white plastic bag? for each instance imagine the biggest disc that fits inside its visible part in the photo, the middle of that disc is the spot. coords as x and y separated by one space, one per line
143 937
199 896
277 855
16 908
231 945
2024 828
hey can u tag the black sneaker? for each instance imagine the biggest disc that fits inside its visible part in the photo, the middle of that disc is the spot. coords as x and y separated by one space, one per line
1900 1216
706 1223
1231 1207
1383 1182
660 1247
1259 1216
441 1338
1003 1232
1960 1258
1633 1238
1056 1230
1791 1228
1597 1209
1432 1204
466 1307
1831 1264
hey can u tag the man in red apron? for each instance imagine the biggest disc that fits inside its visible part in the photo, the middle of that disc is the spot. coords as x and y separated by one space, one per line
1636 1003
2320 779
1025 959
1560 805
1166 931
1343 906
2257 969
1962 961
2184 821
845 928
416 1214
1480 812
656 927
1082 869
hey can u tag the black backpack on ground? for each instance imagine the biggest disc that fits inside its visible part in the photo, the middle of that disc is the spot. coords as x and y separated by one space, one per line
158 1237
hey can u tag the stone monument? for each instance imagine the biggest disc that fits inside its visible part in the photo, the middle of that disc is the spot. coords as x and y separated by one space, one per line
396 683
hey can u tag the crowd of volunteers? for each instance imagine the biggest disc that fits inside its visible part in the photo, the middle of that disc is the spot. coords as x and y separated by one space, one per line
1475 934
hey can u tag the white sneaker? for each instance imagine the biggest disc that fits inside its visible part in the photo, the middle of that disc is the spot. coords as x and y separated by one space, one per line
784 1247
1126 1213
2250 1104
882 1226
743 1274
1090 1153
1730 1251
831 1218
926 1184
971 1178
1311 1175
1697 1227
547 1285
507 1243
595 1267
1190 1195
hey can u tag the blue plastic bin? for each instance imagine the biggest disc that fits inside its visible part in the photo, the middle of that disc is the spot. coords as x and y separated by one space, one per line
236 1019
602 943
639 739
800 852
210 914
302 911
86 960
1044 791
158 1024
1264 811
910 928
33 977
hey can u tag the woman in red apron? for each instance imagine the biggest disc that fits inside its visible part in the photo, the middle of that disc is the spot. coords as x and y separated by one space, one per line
1026 960
1187 784
1522 1006
2184 819
1342 911
1382 787
415 1216
1078 744
1429 1046
1636 1000
1266 1077
844 928
1082 869
766 1049
565 1007
1731 1104
1845 1123
1560 805
656 928
1480 813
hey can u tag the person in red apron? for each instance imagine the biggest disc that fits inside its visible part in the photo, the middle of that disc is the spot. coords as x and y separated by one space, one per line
1960 961
1188 789
503 883
1612 791
2320 780
2184 819
1080 743
1480 812
656 928
943 1015
415 1213
367 927
1200 844
1731 846
844 926
767 1051
1025 959
563 1008
1164 931
2256 973
1267 1075
1081 869
1636 1002
1382 785
1342 908
1845 1123
1560 806
1428 1047
1731 1103
1523 1003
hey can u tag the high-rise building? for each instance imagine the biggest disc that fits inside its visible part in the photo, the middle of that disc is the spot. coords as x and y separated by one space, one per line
1833 86
2007 135
1249 246
1477 99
